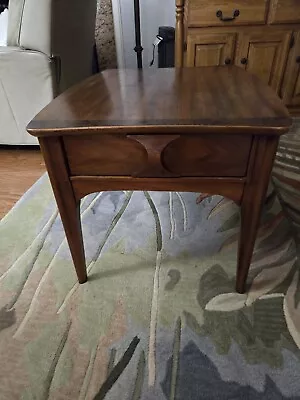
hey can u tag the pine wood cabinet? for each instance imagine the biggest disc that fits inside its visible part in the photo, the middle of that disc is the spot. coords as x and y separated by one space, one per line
209 48
284 11
291 83
264 53
241 12
260 36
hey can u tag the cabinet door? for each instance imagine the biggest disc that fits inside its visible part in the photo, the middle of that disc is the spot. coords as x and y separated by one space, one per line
206 48
291 83
264 52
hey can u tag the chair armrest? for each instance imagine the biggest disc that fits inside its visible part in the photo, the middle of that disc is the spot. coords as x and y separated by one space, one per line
26 84
21 65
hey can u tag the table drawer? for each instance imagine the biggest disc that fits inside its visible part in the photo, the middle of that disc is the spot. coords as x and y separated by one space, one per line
158 155
211 155
216 12
284 11
108 155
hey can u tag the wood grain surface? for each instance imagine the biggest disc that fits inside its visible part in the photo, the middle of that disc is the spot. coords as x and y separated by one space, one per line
284 11
212 130
68 205
211 99
19 169
261 36
203 12
230 188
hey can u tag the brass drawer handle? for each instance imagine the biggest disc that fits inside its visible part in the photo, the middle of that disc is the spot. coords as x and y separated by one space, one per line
244 61
219 14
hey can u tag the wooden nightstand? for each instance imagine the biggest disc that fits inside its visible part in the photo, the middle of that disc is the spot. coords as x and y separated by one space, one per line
214 130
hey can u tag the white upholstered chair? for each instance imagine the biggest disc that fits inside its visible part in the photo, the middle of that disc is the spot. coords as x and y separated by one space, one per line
49 48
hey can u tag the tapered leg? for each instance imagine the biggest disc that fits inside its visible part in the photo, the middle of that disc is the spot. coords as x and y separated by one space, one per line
252 203
72 224
68 206
250 217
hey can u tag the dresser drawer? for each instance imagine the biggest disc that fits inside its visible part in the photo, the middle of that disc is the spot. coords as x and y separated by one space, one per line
216 12
284 11
158 155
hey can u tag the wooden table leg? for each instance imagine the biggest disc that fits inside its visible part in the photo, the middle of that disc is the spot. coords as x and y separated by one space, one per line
68 206
251 206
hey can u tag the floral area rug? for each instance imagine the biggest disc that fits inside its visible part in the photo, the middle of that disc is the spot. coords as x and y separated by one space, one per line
159 317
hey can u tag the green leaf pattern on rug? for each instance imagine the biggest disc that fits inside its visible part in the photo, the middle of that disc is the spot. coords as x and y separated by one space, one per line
7 318
231 223
291 310
174 275
150 294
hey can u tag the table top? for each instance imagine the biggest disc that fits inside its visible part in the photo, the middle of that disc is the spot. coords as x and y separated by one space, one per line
203 100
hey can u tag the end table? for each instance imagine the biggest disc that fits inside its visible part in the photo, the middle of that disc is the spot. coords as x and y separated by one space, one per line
211 129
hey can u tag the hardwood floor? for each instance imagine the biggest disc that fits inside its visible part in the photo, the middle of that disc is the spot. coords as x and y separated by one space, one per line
19 169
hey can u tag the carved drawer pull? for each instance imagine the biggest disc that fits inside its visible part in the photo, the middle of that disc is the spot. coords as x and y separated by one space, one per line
154 145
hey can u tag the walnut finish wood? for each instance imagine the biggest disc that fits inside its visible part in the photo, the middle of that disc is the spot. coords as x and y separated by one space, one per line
68 205
230 188
154 146
188 100
217 155
104 155
158 155
251 205
196 129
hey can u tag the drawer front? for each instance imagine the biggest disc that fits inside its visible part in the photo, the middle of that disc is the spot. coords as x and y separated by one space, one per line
159 155
216 12
104 155
211 155
284 11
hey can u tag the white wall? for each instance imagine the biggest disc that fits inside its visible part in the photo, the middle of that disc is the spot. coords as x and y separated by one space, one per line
154 13
3 27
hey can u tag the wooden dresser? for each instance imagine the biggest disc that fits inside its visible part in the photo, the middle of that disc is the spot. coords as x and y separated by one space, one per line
261 36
